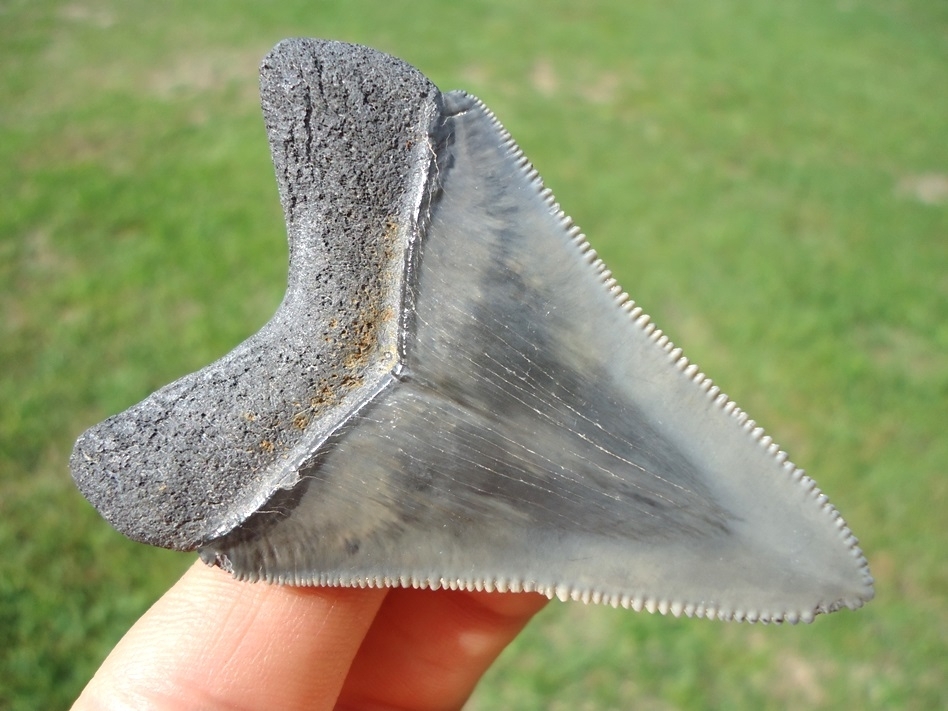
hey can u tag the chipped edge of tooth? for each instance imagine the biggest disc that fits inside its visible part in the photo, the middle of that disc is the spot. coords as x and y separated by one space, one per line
689 369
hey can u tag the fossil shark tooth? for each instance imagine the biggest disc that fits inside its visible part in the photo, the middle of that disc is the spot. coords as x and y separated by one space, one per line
455 392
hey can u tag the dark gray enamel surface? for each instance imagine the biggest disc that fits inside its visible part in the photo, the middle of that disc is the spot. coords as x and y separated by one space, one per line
482 408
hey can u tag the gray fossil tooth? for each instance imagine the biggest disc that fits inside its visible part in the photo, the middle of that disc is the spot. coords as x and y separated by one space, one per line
454 392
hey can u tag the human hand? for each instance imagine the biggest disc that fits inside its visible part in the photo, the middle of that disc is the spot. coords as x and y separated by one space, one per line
212 642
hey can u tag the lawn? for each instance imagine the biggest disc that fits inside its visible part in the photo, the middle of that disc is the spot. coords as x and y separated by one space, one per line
769 180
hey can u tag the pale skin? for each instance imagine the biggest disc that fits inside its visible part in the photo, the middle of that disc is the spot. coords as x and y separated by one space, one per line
212 642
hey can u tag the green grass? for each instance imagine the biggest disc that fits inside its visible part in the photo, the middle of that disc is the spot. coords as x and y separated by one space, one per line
770 180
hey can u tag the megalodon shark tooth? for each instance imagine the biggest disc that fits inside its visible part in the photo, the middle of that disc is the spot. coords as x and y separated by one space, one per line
456 393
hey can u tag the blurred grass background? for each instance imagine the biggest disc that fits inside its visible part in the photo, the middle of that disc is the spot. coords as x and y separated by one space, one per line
769 180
